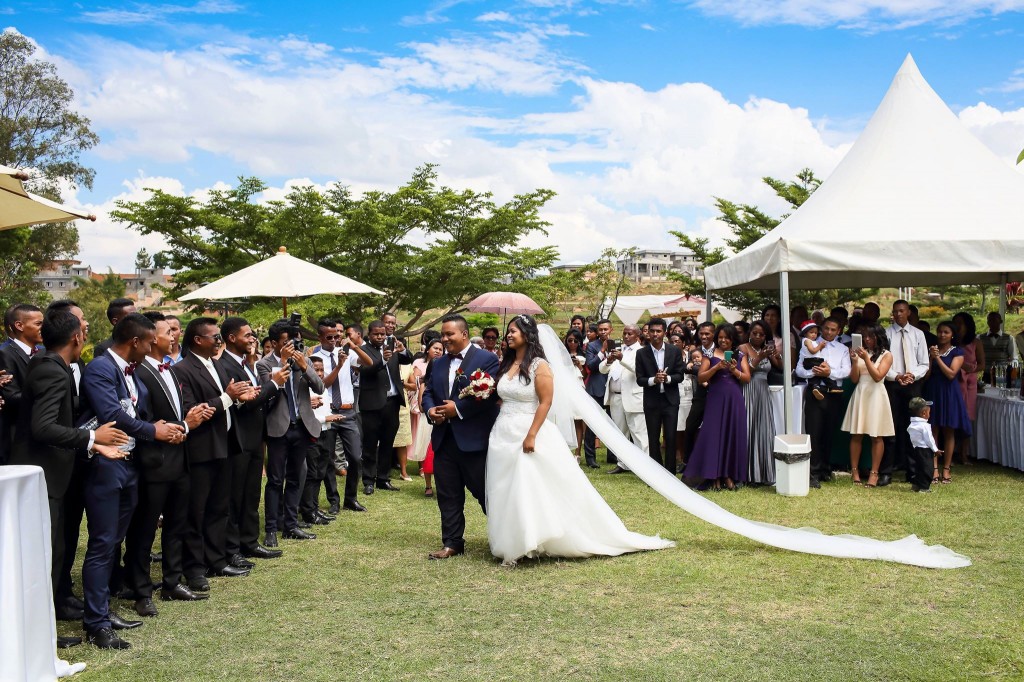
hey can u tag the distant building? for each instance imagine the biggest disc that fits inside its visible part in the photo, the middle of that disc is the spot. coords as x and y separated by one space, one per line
60 278
650 265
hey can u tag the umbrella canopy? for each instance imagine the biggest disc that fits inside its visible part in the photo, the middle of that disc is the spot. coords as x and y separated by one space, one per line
280 276
918 199
504 302
19 207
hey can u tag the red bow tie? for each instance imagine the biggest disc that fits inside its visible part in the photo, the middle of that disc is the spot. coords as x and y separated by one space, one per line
164 366
130 369
34 351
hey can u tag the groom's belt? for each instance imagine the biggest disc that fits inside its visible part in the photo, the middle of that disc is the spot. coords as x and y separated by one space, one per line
343 406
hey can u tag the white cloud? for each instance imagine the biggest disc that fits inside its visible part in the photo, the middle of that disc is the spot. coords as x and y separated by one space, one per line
1001 131
860 14
156 13
495 16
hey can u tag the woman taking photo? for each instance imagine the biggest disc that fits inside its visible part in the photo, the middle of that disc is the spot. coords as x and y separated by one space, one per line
869 413
761 357
942 388
974 364
719 457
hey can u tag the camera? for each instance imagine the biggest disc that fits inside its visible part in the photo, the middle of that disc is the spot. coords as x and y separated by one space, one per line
295 332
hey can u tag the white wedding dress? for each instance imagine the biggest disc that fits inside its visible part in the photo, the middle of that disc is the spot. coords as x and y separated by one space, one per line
541 503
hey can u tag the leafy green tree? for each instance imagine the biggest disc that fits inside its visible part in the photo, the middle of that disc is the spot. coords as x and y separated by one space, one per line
748 223
143 261
430 248
93 295
41 134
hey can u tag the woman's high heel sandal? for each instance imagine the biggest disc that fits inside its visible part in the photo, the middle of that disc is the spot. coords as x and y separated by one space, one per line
873 476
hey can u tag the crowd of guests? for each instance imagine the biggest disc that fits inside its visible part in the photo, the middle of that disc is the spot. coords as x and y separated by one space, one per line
174 429
697 397
192 431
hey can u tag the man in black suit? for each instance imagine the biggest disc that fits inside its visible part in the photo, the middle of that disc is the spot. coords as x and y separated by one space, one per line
164 483
381 396
24 325
111 480
204 382
659 369
291 426
46 436
245 442
116 311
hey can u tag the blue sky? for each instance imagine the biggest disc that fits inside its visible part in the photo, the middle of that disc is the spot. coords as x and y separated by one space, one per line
637 113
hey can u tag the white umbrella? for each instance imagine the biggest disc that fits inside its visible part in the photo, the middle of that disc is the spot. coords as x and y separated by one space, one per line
19 207
280 276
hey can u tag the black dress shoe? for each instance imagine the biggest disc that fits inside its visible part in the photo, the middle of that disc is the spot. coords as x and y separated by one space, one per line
355 506
270 539
199 584
316 520
239 561
261 552
119 623
592 463
145 607
619 470
387 485
106 638
334 510
68 642
304 525
297 534
228 571
884 480
815 483
67 612
330 516
368 489
181 593
74 602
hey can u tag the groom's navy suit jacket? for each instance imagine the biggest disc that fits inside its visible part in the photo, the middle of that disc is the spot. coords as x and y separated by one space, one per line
103 387
472 431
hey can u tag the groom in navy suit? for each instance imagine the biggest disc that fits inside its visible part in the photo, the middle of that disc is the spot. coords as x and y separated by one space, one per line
462 427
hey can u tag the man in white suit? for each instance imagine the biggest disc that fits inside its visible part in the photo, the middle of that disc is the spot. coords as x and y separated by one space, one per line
623 396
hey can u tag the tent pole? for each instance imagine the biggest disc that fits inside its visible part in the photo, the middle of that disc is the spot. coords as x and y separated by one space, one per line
284 307
1002 295
707 299
787 354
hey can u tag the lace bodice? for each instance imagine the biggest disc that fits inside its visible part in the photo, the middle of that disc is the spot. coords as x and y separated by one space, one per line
519 397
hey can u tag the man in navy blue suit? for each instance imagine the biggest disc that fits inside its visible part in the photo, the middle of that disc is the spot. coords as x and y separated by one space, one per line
111 481
597 352
462 427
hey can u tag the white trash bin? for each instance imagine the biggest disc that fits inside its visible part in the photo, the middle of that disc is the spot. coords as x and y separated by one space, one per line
792 464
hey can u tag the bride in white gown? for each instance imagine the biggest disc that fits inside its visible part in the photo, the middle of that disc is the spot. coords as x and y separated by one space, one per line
539 501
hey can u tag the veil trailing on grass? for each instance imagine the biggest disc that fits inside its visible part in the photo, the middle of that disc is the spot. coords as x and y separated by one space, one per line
568 395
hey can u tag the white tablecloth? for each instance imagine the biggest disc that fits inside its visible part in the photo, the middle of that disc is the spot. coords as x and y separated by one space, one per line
28 630
999 430
778 407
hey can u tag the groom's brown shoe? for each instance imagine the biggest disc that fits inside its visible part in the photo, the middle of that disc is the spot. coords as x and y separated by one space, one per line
445 553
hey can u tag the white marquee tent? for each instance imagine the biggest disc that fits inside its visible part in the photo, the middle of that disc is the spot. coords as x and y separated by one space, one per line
630 309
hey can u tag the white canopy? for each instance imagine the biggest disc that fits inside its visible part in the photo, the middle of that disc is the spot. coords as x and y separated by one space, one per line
918 199
630 309
19 207
281 276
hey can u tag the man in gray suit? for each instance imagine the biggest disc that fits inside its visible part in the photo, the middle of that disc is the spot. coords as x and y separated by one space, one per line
291 426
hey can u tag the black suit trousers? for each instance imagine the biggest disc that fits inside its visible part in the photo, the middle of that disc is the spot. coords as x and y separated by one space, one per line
207 526
246 488
590 439
821 420
662 420
319 458
898 449
350 435
73 513
286 470
456 470
379 430
169 498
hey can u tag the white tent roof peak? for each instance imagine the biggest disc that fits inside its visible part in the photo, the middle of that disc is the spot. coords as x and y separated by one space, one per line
918 199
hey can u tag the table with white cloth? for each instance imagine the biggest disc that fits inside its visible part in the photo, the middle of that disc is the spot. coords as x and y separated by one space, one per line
778 408
28 630
999 430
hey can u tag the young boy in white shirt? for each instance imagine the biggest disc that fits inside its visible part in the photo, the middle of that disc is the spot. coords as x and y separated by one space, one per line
923 441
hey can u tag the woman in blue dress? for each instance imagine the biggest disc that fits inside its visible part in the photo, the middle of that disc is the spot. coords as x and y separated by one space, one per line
719 457
942 388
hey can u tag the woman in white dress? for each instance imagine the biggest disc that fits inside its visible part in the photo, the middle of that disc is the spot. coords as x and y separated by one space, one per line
539 502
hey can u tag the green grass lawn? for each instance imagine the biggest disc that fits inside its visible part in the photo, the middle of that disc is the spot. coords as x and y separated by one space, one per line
362 601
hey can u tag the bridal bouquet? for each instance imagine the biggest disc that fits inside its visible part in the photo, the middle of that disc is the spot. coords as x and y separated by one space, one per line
481 386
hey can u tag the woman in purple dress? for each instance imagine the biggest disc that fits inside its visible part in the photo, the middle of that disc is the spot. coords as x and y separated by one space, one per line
942 388
719 457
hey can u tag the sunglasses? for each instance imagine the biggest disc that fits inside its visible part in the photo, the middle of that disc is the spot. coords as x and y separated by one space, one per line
215 337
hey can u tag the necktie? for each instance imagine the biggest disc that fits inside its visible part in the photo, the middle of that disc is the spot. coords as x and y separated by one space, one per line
335 387
34 351
905 344
290 394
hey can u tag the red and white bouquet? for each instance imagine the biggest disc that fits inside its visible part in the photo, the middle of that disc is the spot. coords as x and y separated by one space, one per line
481 386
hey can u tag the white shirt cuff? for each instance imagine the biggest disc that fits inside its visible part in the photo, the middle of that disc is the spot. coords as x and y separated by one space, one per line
226 400
650 381
92 440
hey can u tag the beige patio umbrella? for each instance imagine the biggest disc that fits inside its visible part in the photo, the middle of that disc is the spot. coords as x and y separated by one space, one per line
281 276
19 207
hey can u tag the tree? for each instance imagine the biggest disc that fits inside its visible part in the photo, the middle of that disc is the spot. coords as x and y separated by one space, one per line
42 135
430 248
748 223
93 295
142 260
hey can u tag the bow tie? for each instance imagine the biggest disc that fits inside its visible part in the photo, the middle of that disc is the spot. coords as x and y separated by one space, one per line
455 355
130 369
34 351
164 366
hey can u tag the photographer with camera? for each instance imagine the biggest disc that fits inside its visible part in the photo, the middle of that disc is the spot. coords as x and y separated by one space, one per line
381 397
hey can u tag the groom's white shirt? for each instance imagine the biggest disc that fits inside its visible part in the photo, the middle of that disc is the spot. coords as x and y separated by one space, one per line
453 369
